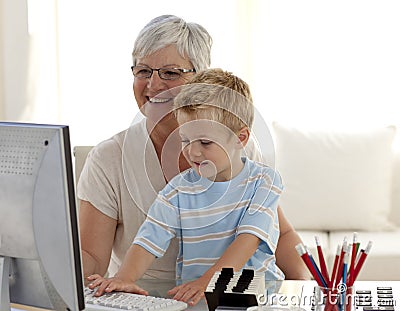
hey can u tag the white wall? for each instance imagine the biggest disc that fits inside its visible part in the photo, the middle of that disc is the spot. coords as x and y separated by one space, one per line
14 46
329 63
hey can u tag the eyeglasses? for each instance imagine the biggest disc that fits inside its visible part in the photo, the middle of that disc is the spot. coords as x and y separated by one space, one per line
144 72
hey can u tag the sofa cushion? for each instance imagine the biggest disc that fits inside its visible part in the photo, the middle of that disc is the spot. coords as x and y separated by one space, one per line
395 210
335 180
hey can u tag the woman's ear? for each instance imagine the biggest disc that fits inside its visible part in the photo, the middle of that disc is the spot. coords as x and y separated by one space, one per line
243 137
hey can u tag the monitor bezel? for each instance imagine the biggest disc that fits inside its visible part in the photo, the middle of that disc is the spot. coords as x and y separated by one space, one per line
29 265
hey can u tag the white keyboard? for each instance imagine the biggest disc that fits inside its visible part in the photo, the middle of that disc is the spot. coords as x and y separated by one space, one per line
126 301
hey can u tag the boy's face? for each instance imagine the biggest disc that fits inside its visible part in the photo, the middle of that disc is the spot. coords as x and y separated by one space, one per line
210 148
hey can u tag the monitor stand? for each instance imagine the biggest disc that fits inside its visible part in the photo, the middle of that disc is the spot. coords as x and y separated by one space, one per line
4 283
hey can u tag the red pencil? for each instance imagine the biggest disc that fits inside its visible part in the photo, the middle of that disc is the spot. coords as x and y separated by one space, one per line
361 261
334 268
353 258
339 272
322 263
301 250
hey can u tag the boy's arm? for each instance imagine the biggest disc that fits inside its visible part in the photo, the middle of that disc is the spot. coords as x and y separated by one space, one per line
137 260
235 256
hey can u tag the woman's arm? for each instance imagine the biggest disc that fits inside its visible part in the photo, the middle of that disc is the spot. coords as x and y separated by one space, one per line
287 259
97 233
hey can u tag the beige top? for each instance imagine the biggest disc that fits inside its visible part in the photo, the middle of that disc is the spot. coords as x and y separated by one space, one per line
121 178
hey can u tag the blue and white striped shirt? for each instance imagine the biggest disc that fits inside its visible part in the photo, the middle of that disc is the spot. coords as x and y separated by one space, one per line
207 216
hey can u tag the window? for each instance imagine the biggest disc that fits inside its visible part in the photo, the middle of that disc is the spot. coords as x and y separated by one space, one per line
314 63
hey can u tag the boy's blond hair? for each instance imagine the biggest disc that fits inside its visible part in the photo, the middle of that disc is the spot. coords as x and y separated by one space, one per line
219 96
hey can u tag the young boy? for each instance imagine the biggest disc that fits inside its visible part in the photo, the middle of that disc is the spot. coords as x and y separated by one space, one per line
223 209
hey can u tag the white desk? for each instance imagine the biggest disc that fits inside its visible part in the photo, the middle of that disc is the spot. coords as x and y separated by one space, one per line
160 288
290 293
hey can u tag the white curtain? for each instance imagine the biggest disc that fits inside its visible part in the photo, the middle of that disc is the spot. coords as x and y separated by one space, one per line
29 61
309 63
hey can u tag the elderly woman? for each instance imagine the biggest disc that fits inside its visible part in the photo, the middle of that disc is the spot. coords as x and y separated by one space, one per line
122 175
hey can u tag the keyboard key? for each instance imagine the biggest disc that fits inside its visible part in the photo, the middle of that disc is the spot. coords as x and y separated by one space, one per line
127 301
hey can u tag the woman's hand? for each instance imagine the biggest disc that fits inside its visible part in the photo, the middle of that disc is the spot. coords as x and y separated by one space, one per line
95 255
190 292
117 284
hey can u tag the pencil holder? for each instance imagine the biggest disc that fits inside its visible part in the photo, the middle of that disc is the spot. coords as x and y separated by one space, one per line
339 298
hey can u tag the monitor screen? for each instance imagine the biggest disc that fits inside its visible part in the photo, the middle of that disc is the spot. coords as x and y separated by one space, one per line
40 261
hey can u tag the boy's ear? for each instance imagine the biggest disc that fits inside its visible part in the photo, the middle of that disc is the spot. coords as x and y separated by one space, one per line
243 137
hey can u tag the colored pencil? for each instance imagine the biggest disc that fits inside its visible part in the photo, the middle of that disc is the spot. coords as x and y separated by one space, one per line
353 258
335 267
301 250
360 262
321 259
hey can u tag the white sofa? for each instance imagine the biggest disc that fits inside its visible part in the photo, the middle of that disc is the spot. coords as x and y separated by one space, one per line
338 183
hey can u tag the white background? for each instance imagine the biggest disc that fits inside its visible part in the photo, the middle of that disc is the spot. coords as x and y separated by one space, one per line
321 64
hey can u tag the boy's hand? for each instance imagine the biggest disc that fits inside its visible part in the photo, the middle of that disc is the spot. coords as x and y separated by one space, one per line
104 285
190 292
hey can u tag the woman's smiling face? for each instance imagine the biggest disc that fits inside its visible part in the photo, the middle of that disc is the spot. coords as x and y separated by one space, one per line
147 89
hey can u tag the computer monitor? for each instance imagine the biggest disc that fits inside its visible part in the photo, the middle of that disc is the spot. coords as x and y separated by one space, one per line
40 261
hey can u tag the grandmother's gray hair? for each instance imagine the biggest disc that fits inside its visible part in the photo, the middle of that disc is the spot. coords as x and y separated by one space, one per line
192 40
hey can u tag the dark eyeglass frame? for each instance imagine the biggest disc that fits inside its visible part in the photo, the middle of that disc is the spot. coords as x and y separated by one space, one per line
160 72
